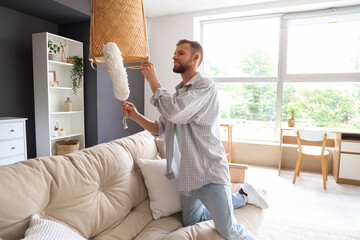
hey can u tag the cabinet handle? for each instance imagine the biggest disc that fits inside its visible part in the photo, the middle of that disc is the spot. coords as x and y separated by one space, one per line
13 148
12 130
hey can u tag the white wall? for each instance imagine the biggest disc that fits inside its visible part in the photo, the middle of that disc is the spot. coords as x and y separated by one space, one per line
164 33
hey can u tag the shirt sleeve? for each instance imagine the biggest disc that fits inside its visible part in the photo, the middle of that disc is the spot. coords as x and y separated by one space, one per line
161 127
183 108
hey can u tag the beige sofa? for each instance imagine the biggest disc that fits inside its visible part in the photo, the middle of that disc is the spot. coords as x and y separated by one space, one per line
98 192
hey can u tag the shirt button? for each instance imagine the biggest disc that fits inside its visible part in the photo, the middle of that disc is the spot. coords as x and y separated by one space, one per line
42 213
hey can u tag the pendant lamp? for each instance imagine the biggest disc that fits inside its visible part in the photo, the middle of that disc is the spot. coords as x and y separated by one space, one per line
121 22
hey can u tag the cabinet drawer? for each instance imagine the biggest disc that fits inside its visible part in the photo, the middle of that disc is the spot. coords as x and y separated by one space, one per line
11 160
11 148
352 147
11 130
349 166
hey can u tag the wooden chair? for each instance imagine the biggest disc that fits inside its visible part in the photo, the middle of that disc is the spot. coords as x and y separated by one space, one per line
305 137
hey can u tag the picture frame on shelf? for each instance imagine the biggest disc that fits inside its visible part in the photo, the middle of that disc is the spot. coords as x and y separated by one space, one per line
52 79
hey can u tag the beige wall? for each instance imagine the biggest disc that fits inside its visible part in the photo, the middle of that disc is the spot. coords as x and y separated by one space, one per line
268 155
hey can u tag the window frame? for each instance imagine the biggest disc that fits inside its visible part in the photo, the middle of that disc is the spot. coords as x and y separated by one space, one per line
283 76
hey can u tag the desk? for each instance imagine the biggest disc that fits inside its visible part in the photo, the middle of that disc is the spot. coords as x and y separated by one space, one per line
346 158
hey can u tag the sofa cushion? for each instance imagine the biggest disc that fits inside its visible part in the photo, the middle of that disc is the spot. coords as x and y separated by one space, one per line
91 190
43 229
163 194
171 228
130 227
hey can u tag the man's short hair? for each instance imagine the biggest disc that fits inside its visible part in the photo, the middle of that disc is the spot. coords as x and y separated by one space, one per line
195 47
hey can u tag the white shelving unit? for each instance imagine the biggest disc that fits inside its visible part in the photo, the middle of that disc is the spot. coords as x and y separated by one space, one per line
49 101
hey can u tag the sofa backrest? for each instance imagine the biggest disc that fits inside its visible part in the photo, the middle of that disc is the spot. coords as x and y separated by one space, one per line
90 191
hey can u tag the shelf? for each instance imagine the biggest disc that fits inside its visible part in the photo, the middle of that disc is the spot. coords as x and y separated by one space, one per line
61 88
61 63
49 100
58 113
66 136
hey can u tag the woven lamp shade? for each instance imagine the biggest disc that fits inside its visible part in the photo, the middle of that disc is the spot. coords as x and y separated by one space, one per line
122 22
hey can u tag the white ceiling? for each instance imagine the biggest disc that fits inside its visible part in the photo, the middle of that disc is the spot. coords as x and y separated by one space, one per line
155 8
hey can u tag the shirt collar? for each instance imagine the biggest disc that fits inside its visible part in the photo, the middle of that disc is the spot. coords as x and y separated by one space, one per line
194 79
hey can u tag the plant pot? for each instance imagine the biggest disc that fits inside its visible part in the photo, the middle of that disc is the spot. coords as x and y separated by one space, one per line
71 60
51 56
54 57
291 122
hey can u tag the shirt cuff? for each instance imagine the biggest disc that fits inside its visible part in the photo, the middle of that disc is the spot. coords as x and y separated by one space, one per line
157 94
160 131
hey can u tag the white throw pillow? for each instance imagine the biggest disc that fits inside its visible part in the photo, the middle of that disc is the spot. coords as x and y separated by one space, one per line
43 229
163 194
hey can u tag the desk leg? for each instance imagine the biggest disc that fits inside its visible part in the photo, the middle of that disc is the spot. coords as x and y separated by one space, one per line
280 154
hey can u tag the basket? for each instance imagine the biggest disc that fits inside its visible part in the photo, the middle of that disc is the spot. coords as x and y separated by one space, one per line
119 21
64 147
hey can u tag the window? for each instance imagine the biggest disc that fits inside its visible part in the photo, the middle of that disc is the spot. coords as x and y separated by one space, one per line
330 47
319 104
317 73
250 108
237 48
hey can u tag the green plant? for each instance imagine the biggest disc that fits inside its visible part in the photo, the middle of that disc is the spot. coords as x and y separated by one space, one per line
53 48
76 73
292 109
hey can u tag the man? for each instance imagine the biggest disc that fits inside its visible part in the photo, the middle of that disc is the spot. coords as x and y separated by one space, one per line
195 155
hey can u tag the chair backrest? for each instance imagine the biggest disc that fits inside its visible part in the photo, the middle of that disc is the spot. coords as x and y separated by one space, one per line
313 135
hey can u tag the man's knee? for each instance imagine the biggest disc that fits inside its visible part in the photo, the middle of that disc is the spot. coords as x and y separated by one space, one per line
224 232
188 221
191 219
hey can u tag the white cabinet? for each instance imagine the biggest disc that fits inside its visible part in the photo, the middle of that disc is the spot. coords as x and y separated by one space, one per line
49 99
349 166
350 159
12 140
346 158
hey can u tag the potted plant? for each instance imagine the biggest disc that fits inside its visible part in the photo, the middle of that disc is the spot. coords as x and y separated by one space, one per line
291 109
53 50
76 73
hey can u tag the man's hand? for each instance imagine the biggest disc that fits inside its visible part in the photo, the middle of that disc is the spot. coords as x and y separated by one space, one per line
148 70
129 110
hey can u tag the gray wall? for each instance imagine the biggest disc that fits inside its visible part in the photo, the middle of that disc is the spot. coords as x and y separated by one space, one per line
109 108
80 31
102 111
16 68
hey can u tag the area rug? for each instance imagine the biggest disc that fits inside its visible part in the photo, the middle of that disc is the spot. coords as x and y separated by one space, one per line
275 228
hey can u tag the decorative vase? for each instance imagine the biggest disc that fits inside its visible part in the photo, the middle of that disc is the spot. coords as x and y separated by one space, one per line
291 122
68 105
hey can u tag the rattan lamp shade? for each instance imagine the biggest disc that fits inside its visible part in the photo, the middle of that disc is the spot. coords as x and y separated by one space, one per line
122 22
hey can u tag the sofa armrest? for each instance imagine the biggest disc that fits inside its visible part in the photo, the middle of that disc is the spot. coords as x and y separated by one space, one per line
237 172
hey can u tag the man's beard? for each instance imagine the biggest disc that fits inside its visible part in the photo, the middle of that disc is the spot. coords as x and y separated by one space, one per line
181 68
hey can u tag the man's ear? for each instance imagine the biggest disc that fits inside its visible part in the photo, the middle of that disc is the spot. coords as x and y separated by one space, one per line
196 56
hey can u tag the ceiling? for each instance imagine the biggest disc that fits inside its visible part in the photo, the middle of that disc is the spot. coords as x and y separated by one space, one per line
65 11
155 8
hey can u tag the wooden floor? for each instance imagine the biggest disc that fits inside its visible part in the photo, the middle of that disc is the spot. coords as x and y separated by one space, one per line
306 200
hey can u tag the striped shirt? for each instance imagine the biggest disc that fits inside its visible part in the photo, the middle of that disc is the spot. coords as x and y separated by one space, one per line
202 155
